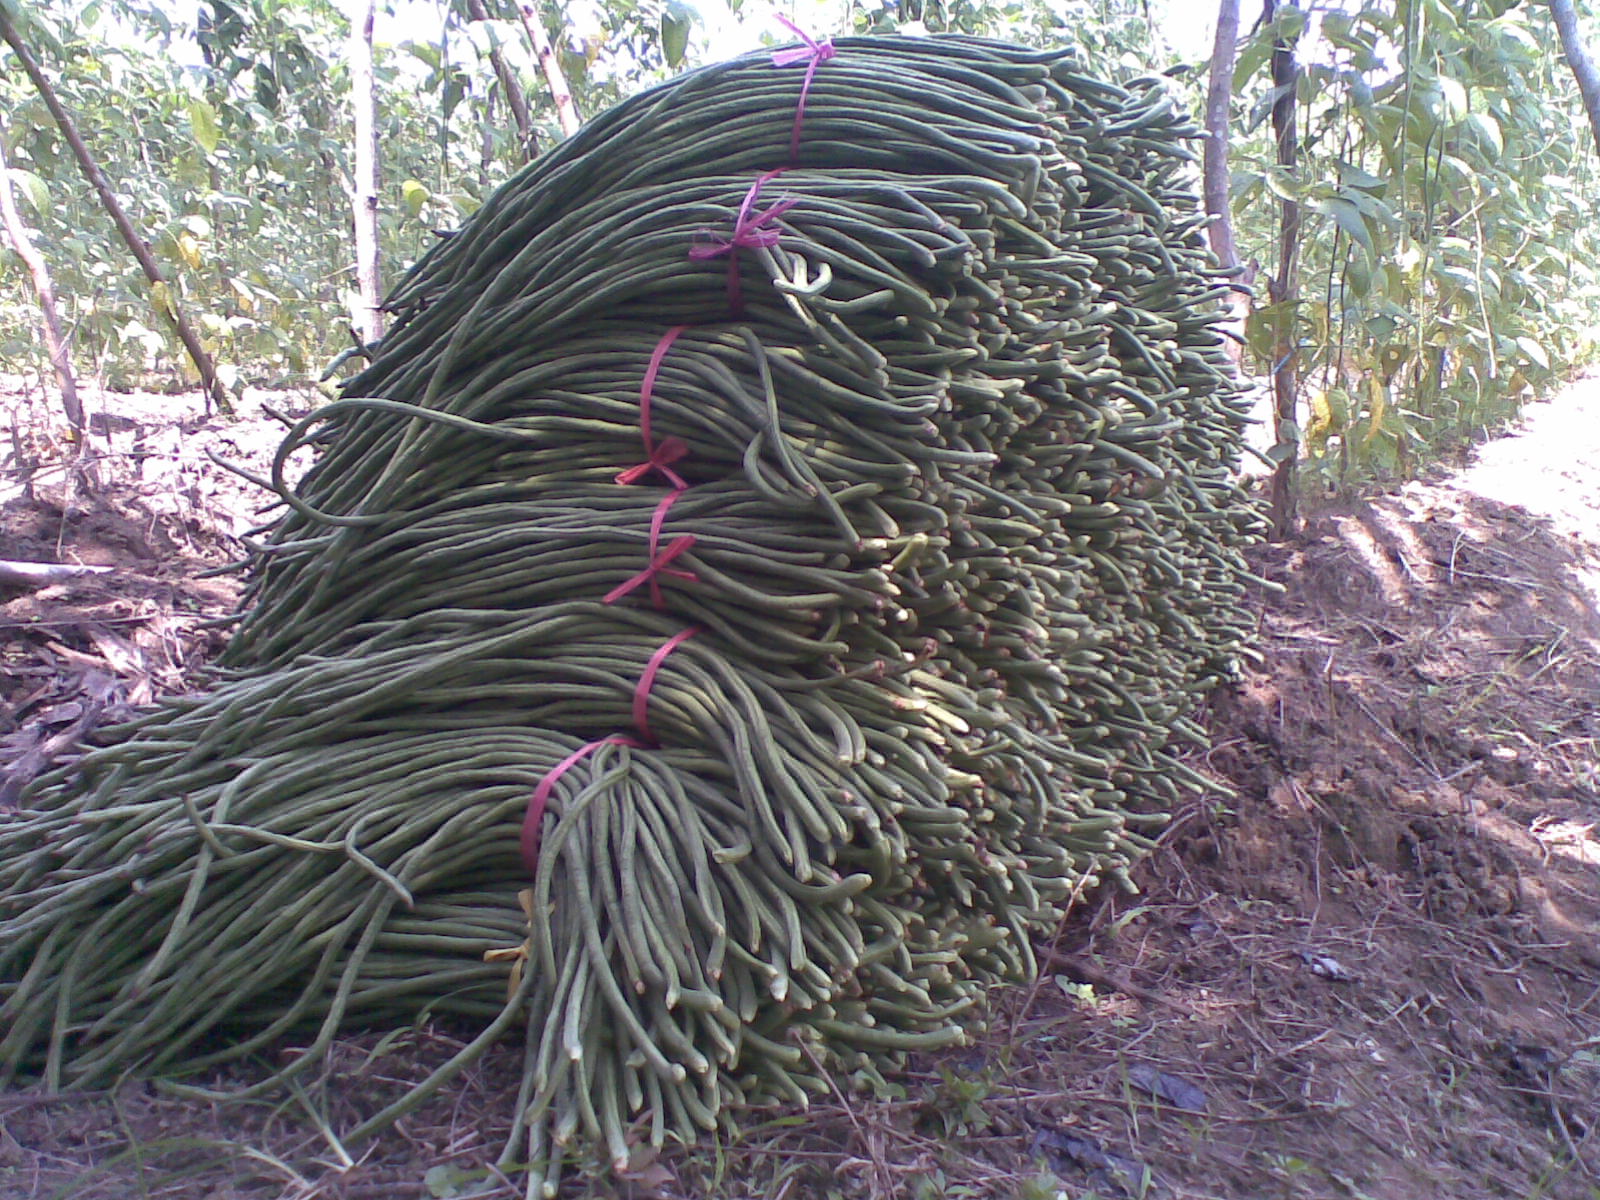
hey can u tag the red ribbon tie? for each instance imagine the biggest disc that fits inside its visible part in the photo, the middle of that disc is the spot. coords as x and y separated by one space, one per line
659 559
641 691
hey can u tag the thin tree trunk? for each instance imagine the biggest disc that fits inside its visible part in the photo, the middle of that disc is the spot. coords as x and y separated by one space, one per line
1286 285
516 98
1219 95
1583 68
1216 178
97 180
49 321
566 110
486 143
364 189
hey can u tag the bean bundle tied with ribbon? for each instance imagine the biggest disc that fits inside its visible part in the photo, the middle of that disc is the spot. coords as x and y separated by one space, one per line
766 575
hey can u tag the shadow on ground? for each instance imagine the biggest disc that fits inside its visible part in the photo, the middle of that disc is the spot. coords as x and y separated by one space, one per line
1374 972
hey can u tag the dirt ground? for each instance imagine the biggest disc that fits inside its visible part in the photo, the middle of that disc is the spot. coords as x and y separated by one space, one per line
1370 970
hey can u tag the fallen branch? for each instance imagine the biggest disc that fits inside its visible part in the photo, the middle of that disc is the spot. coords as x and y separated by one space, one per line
36 574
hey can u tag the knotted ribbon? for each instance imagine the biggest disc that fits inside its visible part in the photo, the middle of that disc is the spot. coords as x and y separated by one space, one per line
748 230
659 559
813 54
534 817
658 457
641 691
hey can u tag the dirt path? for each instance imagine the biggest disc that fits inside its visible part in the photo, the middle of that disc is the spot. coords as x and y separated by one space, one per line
1387 947
1372 970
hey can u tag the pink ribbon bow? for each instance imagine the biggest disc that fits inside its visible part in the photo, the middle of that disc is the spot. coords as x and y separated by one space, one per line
660 560
670 450
748 230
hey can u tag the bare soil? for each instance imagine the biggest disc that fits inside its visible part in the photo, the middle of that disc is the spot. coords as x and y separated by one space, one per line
1367 967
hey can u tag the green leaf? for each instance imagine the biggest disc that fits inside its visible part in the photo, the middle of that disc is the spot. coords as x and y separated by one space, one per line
1357 279
1284 186
415 196
1256 54
1460 275
676 22
1381 327
1349 218
1534 351
1289 23
1282 452
32 188
1352 176
447 1181
1488 131
1455 98
427 52
1270 329
203 123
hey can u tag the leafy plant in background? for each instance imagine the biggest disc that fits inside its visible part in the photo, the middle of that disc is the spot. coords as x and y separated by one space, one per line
228 138
1447 244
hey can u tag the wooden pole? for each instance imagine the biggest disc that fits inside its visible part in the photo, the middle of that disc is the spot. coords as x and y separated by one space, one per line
1286 285
516 99
1577 56
364 192
566 110
49 321
1219 98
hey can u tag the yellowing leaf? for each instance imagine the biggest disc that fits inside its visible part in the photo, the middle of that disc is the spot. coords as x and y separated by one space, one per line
241 289
161 300
415 196
1380 406
1321 424
189 248
203 123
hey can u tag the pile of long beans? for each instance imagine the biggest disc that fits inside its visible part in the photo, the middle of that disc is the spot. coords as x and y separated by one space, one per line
951 524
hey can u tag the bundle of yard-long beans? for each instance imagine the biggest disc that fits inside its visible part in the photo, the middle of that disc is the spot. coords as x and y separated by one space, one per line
834 554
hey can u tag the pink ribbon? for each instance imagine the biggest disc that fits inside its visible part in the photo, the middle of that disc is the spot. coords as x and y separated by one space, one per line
813 54
534 818
748 230
641 691
659 458
659 559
